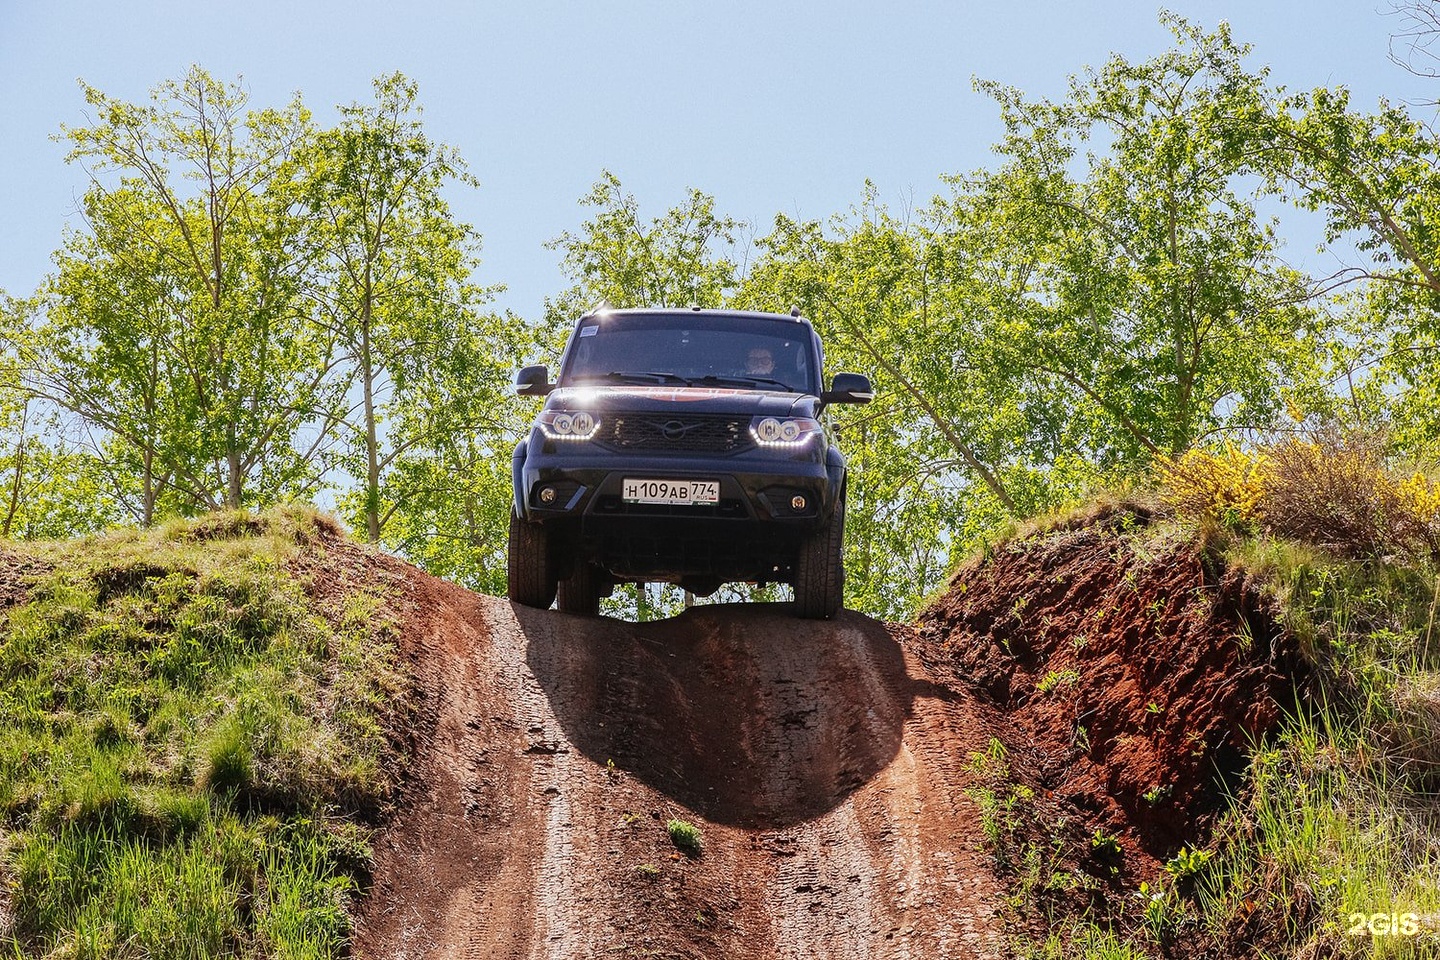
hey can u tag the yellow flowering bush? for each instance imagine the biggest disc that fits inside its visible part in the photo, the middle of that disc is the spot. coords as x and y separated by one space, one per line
1228 485
1421 496
1335 491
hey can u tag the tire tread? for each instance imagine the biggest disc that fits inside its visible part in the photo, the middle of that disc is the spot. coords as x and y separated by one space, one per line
530 576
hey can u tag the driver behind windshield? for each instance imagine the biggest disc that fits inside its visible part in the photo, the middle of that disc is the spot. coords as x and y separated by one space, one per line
759 362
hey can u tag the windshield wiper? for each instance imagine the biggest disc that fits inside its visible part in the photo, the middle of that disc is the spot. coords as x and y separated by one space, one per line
622 376
746 380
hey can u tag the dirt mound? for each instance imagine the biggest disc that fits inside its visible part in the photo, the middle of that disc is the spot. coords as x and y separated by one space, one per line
1058 724
1136 674
18 574
825 771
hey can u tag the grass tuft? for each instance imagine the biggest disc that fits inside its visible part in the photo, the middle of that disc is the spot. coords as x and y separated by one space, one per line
686 837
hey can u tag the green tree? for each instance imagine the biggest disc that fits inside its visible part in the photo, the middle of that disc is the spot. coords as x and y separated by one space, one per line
50 486
187 285
1107 293
942 453
448 491
1375 177
1151 288
687 256
393 289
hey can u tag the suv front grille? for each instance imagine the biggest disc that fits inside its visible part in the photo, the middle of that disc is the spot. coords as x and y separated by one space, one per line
694 433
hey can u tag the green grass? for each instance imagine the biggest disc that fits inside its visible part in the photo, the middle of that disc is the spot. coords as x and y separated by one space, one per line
1343 804
188 745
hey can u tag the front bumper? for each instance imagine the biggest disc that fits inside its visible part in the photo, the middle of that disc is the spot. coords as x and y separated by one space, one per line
752 533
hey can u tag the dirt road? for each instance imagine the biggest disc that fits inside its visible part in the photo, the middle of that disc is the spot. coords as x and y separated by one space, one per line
824 768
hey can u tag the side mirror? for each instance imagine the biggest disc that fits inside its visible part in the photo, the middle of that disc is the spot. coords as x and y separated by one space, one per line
849 388
533 381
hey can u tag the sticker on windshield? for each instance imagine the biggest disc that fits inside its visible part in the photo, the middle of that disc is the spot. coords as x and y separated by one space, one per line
589 331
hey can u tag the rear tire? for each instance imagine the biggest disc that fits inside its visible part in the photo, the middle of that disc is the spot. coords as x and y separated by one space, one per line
581 591
530 570
820 569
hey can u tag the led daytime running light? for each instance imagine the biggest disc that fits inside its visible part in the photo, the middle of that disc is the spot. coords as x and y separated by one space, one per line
788 432
559 425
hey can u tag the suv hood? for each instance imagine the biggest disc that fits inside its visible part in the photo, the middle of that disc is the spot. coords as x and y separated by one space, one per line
662 399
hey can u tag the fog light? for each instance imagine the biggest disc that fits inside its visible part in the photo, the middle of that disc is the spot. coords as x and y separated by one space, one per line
547 495
797 503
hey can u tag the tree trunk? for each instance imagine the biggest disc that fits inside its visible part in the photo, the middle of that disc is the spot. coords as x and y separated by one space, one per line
15 486
147 493
372 445
234 492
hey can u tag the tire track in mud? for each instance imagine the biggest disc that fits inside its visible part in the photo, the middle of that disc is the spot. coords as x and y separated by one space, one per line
824 768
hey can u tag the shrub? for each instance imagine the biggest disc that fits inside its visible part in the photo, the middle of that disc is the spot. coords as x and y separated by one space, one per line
1335 491
1228 486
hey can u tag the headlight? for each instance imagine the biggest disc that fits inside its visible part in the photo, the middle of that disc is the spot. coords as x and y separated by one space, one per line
787 432
562 425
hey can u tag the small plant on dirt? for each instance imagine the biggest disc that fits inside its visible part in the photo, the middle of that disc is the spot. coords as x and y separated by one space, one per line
1006 808
648 870
1017 610
685 836
1057 678
1159 912
1153 708
1158 794
1104 845
992 764
1187 863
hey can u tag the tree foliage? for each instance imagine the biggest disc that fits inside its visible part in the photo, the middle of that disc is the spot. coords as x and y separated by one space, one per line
175 321
1375 177
392 288
686 256
1151 289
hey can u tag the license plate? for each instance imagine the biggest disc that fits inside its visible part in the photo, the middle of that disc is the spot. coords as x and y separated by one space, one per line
673 492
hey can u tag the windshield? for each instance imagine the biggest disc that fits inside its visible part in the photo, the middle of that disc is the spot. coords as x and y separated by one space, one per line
692 350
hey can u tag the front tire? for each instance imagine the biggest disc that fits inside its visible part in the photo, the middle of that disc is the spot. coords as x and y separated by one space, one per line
820 570
530 570
581 591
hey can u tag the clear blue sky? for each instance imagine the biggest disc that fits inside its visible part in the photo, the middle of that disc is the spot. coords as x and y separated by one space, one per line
769 106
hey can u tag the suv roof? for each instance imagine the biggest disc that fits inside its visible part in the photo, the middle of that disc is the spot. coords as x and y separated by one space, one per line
793 317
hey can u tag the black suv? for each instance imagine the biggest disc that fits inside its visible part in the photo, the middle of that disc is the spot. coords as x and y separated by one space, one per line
684 446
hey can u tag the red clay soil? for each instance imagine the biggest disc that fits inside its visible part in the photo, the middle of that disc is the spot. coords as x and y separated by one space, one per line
827 765
1136 674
